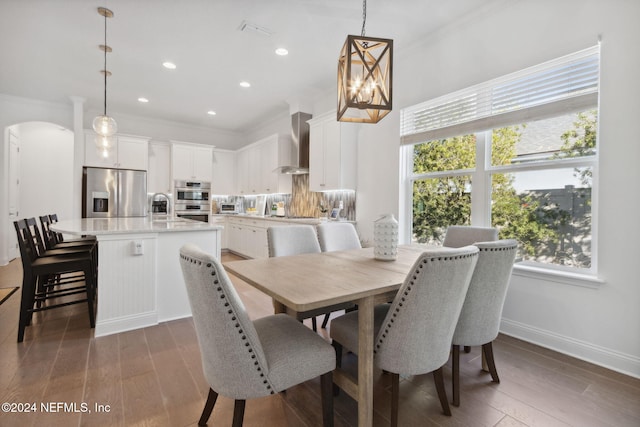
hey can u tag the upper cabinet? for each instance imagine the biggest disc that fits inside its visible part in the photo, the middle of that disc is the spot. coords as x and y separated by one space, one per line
192 162
332 154
224 172
128 152
257 164
159 174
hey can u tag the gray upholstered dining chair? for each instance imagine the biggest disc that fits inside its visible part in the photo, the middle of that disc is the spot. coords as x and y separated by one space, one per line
458 236
242 359
413 333
337 236
479 320
294 240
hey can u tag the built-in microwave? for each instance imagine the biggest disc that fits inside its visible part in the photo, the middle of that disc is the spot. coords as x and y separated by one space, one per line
192 191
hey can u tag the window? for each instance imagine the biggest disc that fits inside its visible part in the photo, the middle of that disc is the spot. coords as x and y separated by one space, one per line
518 153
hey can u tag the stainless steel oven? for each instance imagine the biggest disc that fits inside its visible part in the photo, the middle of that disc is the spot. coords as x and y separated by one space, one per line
192 200
199 211
192 191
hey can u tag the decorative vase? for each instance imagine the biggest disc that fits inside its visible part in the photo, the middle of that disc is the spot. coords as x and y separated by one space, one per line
385 238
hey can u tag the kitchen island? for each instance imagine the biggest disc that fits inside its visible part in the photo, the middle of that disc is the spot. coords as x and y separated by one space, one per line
139 278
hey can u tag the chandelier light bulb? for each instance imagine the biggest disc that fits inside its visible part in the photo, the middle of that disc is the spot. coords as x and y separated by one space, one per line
103 142
104 125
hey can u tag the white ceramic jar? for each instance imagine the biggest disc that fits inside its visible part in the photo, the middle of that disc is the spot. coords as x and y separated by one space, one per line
385 238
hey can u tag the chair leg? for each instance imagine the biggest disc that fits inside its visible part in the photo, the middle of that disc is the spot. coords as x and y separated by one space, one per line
325 321
326 385
438 379
89 281
491 363
338 348
314 325
395 398
238 413
467 349
208 407
455 375
26 304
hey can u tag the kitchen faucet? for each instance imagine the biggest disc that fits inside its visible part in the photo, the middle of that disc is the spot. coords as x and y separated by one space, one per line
160 196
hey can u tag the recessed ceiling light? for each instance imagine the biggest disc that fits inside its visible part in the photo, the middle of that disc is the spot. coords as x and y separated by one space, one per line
169 65
282 51
245 84
211 113
144 100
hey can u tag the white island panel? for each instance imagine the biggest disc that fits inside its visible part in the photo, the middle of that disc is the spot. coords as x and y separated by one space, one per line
173 301
139 288
126 283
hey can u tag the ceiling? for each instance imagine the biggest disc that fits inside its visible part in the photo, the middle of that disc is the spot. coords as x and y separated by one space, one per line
50 52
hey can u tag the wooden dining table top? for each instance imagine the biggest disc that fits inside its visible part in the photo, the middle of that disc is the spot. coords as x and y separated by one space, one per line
310 281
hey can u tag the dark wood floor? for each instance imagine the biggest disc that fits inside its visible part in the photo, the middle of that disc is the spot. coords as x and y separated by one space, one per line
153 377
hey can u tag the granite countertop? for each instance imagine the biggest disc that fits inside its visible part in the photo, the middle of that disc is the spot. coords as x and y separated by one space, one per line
107 226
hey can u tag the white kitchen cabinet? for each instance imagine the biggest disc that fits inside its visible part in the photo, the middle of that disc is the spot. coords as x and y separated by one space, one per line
159 173
128 152
257 163
248 237
191 162
242 172
224 172
221 220
332 154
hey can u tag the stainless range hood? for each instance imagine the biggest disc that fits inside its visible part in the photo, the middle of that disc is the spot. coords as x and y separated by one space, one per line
299 146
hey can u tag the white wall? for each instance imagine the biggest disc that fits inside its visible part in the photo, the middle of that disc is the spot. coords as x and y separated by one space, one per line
46 170
15 110
603 324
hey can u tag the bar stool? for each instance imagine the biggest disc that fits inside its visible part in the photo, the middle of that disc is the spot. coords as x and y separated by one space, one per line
43 278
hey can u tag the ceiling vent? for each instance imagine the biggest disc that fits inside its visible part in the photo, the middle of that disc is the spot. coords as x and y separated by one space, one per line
250 27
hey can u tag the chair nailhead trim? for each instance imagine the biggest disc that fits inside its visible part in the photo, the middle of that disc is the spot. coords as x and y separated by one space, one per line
410 284
504 248
230 311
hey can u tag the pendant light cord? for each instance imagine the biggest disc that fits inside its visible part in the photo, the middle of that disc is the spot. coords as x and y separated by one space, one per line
105 64
364 16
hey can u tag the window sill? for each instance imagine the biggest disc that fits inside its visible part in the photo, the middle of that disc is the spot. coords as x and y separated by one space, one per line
564 277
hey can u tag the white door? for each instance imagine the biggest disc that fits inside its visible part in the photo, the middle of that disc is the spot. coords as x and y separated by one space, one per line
14 193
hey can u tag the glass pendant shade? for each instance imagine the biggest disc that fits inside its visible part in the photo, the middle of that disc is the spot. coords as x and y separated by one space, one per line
104 141
365 70
104 125
104 145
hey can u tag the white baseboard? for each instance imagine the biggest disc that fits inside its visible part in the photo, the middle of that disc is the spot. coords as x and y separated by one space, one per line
125 323
610 359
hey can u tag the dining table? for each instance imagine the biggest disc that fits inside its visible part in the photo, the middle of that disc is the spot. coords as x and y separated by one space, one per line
312 282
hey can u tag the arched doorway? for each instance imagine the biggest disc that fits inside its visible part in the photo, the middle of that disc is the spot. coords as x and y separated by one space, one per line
40 174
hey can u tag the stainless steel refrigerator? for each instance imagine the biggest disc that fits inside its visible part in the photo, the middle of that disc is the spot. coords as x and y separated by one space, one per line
113 193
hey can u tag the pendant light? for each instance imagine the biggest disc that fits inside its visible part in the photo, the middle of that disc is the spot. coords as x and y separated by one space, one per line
104 125
365 77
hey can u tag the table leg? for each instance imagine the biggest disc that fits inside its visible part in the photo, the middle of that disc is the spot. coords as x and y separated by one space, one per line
278 307
365 362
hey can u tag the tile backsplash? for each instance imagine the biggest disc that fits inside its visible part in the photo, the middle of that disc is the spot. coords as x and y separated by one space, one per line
302 202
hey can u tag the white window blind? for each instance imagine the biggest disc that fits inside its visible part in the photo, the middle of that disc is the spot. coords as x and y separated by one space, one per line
562 85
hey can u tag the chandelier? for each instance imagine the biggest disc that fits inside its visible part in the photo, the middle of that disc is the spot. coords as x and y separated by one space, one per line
365 77
105 126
